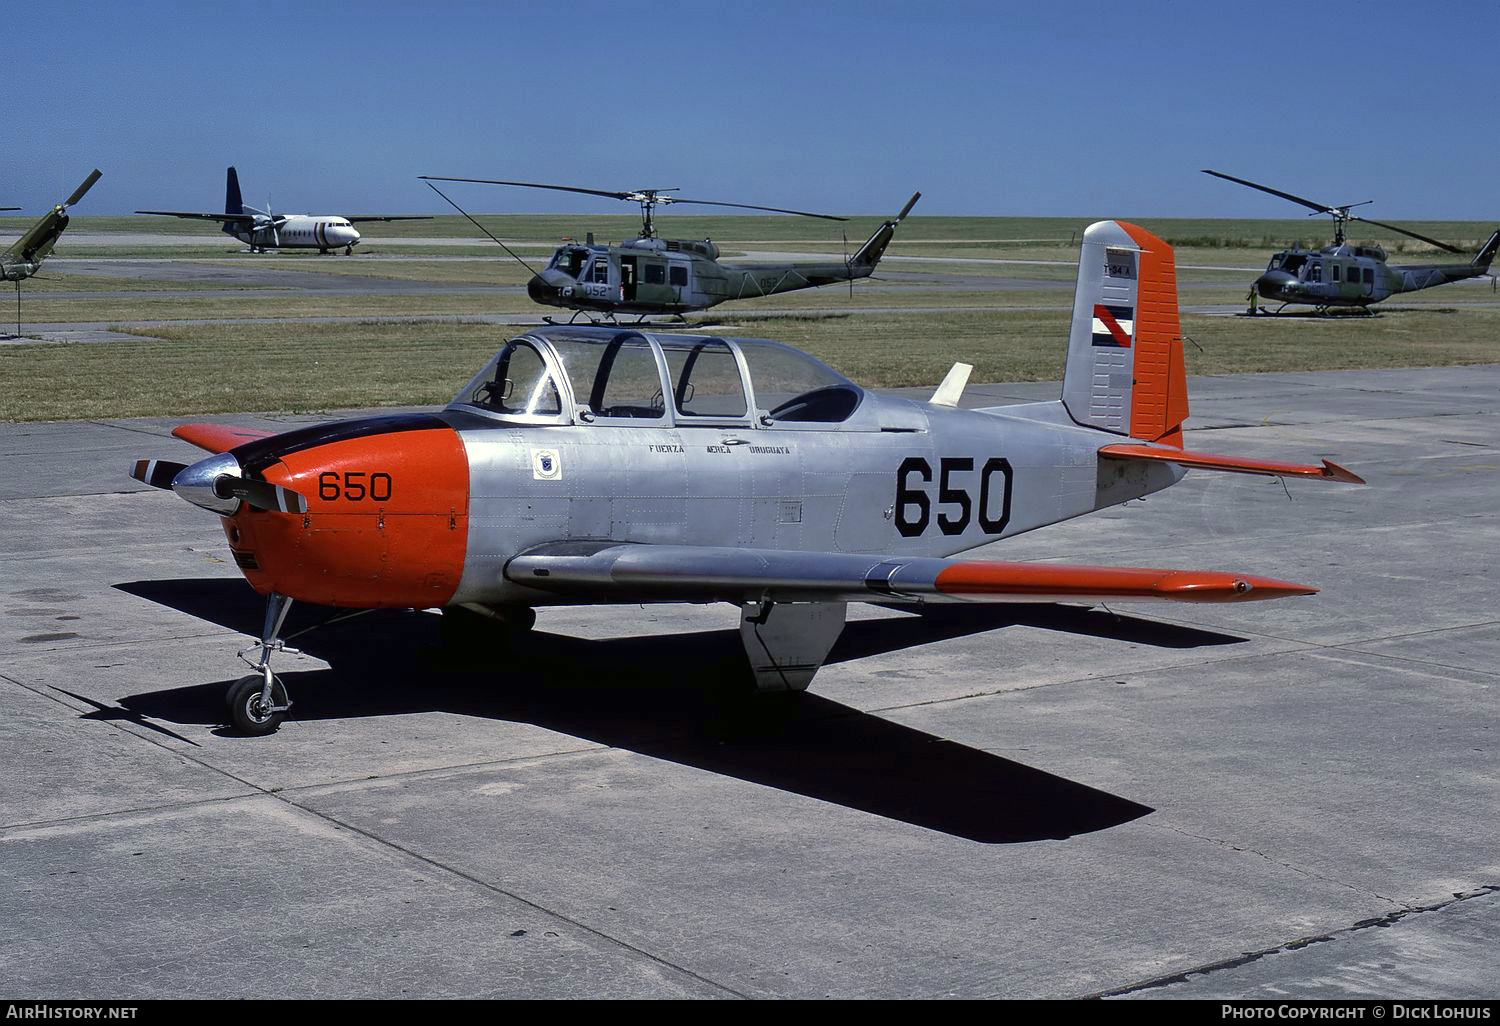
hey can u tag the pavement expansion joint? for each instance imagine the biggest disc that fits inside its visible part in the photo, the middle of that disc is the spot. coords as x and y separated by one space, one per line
1277 862
1387 920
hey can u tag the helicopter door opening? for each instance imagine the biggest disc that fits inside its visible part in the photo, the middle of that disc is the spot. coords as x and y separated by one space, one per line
627 279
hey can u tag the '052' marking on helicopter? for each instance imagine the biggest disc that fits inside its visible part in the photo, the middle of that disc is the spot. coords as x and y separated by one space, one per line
952 493
355 486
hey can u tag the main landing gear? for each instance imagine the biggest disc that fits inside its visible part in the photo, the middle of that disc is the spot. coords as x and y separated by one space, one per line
258 701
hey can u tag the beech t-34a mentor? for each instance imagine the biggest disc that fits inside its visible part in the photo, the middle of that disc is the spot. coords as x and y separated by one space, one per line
591 465
263 229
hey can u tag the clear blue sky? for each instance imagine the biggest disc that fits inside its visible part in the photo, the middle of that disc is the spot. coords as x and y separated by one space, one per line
1059 108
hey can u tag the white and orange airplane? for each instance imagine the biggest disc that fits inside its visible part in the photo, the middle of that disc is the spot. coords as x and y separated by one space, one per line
590 465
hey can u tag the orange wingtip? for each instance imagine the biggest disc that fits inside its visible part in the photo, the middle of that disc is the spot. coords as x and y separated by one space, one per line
1233 464
1059 582
218 437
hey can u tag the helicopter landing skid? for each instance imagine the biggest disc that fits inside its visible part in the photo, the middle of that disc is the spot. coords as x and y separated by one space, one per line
1317 311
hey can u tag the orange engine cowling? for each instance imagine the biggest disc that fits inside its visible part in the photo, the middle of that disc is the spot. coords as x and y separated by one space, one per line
387 517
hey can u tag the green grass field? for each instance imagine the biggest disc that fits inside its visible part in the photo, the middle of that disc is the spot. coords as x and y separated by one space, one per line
273 362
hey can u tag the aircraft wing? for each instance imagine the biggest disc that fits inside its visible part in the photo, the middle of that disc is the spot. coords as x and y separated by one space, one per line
394 217
218 437
603 570
235 218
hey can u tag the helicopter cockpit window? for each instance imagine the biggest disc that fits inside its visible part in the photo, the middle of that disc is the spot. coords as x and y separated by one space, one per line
601 270
705 378
1333 273
570 261
1315 270
1291 262
792 387
615 377
515 382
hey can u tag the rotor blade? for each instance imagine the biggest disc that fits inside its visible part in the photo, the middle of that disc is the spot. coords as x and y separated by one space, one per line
531 185
261 494
10 208
156 473
481 227
88 183
751 206
909 204
1403 231
1319 207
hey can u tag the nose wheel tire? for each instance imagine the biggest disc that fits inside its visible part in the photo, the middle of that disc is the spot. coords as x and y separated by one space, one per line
248 713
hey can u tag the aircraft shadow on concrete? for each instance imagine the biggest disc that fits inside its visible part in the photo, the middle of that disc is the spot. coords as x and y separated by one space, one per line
662 696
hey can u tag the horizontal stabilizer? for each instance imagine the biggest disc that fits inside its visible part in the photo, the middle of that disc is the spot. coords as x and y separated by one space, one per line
610 571
218 437
1232 464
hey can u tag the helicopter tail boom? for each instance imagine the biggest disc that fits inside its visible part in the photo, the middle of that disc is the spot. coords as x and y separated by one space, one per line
870 253
1486 254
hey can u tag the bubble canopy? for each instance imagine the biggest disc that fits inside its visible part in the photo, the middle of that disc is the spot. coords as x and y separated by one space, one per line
569 375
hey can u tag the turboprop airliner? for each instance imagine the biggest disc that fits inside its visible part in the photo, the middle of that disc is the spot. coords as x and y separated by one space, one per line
264 230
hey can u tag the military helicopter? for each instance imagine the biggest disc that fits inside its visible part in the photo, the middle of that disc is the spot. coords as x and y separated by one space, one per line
25 255
649 275
1352 276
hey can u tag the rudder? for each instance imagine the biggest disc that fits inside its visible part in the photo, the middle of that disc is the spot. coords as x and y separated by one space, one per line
233 204
1125 371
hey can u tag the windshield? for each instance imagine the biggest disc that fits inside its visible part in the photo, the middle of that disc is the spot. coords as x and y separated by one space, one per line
570 260
792 386
516 382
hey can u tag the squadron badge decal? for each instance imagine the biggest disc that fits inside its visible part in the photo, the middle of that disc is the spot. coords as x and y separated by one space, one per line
546 465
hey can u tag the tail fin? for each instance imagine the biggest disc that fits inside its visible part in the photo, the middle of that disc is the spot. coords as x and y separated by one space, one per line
37 243
874 248
1486 254
1125 371
233 204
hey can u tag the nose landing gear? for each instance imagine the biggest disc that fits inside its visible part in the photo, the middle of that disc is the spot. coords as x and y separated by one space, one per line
258 702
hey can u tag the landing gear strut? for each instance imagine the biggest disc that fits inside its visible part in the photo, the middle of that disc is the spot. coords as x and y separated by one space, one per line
258 701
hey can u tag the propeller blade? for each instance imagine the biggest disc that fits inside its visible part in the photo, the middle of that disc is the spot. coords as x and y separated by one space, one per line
1403 231
1321 208
533 185
156 473
750 206
88 183
261 494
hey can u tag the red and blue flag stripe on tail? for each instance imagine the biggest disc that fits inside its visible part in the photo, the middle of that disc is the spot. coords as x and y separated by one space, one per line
1113 325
